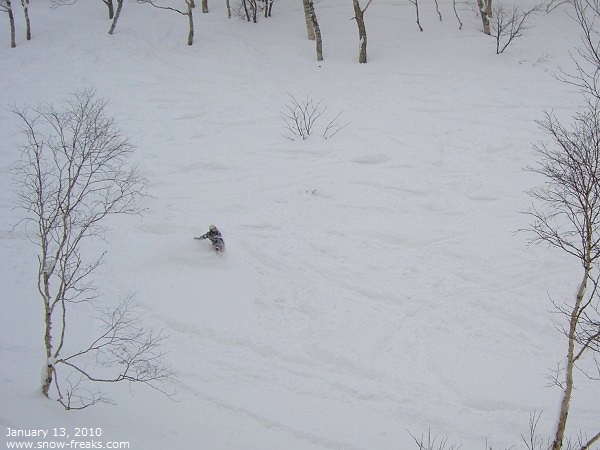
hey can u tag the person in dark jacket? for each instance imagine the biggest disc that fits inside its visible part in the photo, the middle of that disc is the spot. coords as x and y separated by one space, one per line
215 237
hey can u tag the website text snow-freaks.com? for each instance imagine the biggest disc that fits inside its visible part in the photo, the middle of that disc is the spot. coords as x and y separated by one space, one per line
70 444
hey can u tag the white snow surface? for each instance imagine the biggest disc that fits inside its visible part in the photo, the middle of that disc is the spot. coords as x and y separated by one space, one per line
374 284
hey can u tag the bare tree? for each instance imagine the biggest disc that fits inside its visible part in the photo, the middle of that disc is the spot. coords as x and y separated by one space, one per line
245 6
571 219
111 8
268 8
25 4
190 5
250 10
362 31
568 218
122 350
310 30
508 25
73 173
416 3
553 4
108 3
460 24
316 30
437 9
587 57
113 14
6 6
115 19
483 11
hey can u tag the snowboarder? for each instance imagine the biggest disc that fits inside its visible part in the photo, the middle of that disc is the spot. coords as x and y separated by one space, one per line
215 237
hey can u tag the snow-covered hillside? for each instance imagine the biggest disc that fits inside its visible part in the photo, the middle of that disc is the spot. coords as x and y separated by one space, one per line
373 283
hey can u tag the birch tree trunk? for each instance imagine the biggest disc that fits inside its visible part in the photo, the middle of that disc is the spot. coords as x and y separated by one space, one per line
45 292
25 4
111 8
317 30
310 31
437 8
116 17
268 8
190 15
254 8
11 20
416 3
460 24
574 322
362 32
571 357
484 17
245 5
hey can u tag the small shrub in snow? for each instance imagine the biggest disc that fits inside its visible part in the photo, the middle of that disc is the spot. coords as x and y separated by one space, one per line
509 24
300 119
433 442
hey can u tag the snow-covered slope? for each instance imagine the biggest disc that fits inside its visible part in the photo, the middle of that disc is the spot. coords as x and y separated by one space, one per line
373 284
